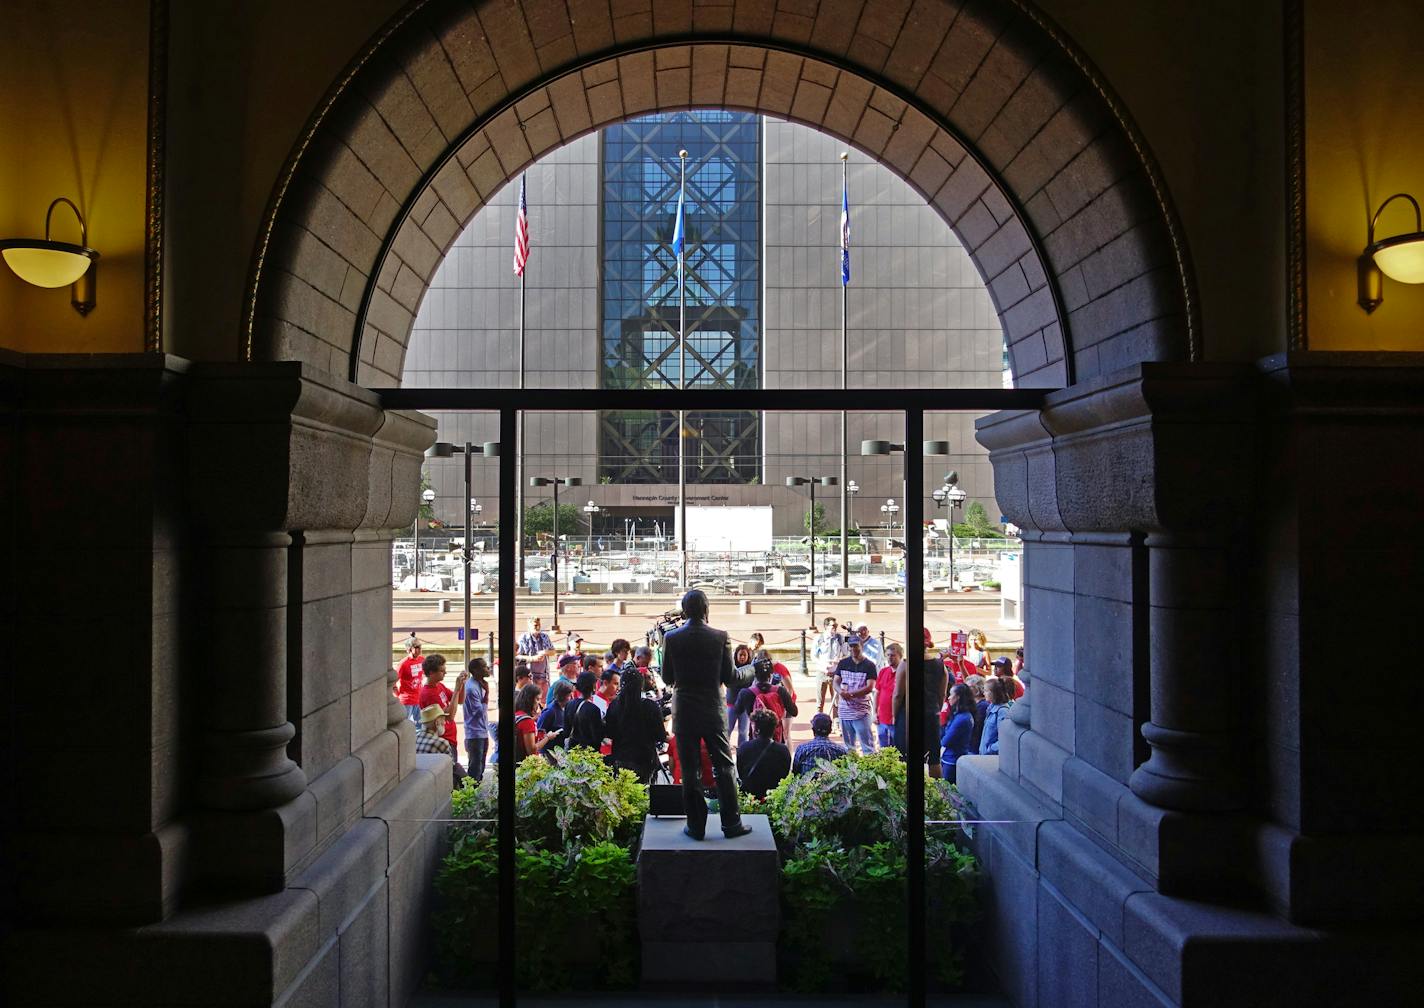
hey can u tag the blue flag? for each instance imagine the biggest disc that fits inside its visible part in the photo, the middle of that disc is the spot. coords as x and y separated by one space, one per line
677 229
845 236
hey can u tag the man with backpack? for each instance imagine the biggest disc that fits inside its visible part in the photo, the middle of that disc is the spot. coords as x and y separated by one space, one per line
763 694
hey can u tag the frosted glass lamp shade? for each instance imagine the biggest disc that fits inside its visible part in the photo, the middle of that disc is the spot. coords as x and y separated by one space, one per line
46 263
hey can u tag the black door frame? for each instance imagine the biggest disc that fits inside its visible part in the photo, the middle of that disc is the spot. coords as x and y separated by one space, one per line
913 403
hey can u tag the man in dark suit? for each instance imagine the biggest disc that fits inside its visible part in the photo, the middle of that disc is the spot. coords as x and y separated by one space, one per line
697 664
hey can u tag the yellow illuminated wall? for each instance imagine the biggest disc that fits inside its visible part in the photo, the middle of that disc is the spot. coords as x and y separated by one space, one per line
73 122
1364 142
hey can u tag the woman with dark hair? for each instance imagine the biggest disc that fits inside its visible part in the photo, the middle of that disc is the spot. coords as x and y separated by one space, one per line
527 740
635 724
955 740
763 761
981 707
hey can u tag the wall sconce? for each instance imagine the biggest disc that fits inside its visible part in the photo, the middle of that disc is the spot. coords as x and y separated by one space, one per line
1400 258
47 263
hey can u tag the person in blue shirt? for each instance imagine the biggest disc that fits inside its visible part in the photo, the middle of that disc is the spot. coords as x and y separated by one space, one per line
552 719
1001 697
954 743
477 732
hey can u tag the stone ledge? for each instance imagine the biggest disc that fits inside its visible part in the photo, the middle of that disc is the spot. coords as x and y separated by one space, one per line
1015 815
256 948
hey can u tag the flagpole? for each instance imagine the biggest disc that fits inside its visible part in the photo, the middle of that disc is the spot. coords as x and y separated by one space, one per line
681 363
519 430
845 375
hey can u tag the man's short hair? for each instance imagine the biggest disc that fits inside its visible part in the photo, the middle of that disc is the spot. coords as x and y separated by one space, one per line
764 723
521 670
821 725
694 604
607 674
619 646
434 664
591 660
587 682
642 651
562 690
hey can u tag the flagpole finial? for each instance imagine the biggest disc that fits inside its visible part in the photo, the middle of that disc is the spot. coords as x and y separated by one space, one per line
845 155
682 154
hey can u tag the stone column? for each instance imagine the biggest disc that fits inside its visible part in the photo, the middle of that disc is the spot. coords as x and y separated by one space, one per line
242 689
1194 656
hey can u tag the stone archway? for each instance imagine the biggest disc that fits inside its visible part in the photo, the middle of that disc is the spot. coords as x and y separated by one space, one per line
987 111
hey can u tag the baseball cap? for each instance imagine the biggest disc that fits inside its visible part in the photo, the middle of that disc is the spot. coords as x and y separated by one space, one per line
1001 662
567 659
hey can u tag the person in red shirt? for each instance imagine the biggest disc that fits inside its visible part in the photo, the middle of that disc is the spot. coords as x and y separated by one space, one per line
885 696
959 668
436 693
780 676
408 681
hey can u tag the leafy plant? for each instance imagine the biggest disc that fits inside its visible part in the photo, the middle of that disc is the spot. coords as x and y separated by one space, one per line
845 827
539 519
577 799
589 888
853 800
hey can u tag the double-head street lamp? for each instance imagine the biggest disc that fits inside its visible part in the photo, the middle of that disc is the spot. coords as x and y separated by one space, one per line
445 449
927 448
890 509
556 482
950 493
811 481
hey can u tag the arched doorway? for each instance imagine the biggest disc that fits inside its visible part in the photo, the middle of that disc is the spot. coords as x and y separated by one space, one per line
988 112
1001 126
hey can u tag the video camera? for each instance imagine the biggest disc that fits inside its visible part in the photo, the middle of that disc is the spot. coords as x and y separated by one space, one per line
663 625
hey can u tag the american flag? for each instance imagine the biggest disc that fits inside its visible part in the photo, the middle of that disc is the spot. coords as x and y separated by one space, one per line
521 233
845 236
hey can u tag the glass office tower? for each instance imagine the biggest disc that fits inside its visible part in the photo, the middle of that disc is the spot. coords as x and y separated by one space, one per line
717 306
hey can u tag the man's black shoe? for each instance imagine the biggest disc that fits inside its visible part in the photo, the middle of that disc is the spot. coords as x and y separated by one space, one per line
741 829
695 836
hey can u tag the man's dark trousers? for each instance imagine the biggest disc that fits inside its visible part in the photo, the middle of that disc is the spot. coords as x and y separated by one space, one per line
689 756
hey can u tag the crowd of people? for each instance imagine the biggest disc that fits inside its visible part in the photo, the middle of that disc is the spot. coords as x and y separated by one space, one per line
615 703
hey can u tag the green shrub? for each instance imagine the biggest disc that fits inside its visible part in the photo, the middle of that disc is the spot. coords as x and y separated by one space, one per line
575 822
575 914
844 826
852 800
576 799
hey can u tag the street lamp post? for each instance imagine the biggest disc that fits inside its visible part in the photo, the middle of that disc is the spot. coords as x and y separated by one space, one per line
427 497
890 509
444 449
955 497
555 482
927 449
590 509
811 481
852 488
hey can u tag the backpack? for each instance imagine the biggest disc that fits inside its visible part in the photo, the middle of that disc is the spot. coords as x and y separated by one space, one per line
771 700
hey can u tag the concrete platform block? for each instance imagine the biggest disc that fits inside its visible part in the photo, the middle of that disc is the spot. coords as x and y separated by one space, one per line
744 607
701 890
619 607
